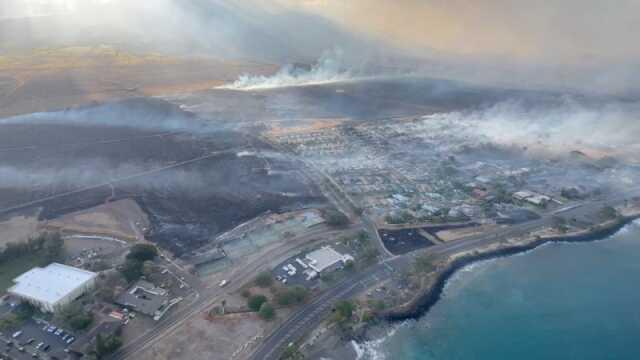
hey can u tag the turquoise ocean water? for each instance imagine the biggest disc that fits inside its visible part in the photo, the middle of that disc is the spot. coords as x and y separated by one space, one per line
560 301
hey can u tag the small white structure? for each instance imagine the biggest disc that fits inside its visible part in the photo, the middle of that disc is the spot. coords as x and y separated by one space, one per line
532 197
52 287
326 258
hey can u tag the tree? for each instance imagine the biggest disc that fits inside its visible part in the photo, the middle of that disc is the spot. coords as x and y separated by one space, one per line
335 218
142 252
344 310
147 268
560 223
349 265
76 317
52 247
266 311
106 345
264 279
131 269
9 322
293 296
255 302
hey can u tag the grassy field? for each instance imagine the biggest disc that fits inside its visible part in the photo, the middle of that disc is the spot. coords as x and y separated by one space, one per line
9 270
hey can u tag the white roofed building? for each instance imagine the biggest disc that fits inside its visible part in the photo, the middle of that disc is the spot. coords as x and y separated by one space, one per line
326 258
53 287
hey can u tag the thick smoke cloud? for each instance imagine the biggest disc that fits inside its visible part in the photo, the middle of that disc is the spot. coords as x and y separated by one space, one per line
571 44
552 128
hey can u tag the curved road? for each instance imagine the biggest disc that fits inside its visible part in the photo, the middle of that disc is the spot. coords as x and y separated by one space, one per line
310 316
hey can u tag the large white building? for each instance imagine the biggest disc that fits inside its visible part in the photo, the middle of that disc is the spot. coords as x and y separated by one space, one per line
326 259
53 287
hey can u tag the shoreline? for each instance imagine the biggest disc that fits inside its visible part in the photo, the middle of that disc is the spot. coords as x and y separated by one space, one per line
335 347
431 295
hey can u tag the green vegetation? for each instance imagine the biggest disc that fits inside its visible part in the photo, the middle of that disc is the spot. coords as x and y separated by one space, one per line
139 261
344 311
142 252
11 268
254 302
264 279
19 257
424 264
9 322
266 311
377 305
559 223
403 217
131 270
292 353
609 213
105 346
335 218
349 265
76 317
293 296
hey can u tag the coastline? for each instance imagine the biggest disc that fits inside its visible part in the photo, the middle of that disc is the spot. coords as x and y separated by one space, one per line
331 346
428 297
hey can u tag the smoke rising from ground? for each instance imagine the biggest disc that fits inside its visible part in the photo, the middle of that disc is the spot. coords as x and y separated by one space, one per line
577 44
329 69
598 129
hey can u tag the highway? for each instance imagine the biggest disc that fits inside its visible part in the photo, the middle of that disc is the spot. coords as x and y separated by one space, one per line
206 295
310 316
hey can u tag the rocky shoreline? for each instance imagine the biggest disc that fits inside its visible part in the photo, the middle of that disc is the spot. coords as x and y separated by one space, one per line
335 347
423 303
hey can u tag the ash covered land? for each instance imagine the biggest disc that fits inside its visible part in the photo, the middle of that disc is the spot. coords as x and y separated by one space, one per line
224 185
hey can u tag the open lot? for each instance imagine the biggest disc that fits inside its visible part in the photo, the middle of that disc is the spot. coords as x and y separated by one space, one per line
32 335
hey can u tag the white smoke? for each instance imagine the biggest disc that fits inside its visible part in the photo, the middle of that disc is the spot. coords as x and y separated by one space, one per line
612 128
329 69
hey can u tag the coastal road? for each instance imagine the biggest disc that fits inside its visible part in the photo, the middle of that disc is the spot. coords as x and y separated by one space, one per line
205 295
310 316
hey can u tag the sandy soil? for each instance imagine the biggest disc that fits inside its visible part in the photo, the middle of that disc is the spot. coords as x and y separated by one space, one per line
227 337
122 219
17 229
454 234
52 79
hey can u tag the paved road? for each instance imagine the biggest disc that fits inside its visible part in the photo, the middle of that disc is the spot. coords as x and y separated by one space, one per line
308 318
205 295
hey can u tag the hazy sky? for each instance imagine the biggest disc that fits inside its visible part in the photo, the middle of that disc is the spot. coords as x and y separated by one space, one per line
592 42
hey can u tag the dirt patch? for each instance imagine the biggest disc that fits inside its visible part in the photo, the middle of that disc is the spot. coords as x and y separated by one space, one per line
17 229
56 78
122 219
454 234
227 337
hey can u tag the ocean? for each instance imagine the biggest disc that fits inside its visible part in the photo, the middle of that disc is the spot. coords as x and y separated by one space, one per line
559 301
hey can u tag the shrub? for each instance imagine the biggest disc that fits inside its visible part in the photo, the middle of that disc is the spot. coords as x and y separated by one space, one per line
131 269
335 218
264 279
344 310
142 252
295 295
266 311
255 302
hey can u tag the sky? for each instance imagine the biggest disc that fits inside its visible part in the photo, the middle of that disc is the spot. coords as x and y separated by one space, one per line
589 43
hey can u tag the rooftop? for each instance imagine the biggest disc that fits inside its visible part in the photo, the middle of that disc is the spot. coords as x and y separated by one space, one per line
144 297
50 284
325 257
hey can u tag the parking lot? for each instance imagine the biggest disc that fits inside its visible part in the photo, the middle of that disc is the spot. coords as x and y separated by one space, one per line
35 339
298 271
